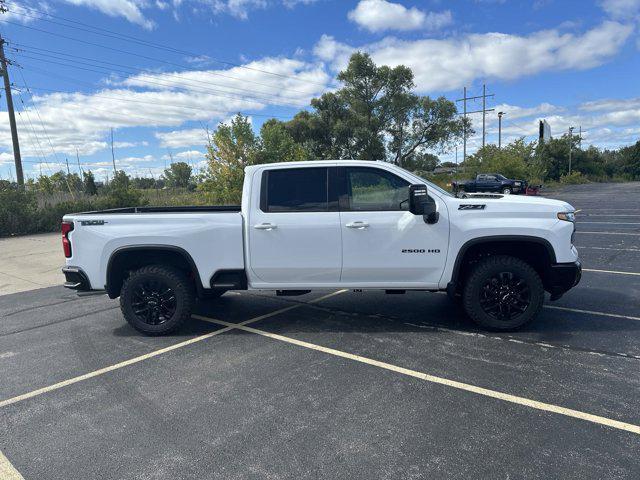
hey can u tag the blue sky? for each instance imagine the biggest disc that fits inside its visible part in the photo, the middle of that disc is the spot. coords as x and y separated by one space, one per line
160 72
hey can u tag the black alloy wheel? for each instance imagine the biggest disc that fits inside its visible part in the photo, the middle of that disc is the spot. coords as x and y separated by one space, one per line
153 302
505 296
502 292
157 299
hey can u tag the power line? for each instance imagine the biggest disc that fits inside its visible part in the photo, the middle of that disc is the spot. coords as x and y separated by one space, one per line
58 54
246 114
130 38
220 93
155 59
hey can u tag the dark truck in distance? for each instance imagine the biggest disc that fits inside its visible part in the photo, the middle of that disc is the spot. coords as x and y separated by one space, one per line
490 182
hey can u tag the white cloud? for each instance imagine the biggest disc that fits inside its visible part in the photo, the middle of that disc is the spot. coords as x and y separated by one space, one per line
83 120
380 15
189 156
450 63
288 82
182 138
129 9
621 9
6 157
238 8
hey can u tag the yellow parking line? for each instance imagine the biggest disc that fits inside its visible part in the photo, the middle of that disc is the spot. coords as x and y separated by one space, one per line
609 271
527 402
8 471
146 356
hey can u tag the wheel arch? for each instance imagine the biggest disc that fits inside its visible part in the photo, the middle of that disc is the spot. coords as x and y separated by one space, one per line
125 259
539 254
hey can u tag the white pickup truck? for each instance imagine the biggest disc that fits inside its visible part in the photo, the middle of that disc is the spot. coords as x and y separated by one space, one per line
328 224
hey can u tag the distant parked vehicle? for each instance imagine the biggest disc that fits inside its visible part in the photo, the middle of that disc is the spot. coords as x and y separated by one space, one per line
490 182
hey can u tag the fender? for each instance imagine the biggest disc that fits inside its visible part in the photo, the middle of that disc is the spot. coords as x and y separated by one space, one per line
493 239
152 247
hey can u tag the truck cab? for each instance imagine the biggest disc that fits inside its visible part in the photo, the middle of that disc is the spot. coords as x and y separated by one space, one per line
329 224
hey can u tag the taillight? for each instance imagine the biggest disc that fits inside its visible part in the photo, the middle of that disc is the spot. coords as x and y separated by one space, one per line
66 244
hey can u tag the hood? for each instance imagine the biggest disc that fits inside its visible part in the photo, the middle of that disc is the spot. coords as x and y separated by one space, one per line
516 203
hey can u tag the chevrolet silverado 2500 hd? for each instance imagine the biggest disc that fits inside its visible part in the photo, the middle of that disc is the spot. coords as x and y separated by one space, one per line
328 224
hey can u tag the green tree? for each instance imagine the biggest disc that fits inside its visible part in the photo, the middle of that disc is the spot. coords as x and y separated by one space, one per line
90 183
422 162
375 116
178 175
514 160
120 181
278 145
232 147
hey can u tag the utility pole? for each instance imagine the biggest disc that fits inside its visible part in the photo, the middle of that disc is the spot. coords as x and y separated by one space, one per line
79 167
580 138
68 171
113 155
500 114
484 111
570 146
12 116
464 134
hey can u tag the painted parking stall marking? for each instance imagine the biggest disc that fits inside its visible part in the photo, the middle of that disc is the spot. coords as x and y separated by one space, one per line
155 353
527 402
610 271
7 470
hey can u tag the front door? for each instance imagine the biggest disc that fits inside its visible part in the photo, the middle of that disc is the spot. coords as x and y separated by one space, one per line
294 234
383 243
487 183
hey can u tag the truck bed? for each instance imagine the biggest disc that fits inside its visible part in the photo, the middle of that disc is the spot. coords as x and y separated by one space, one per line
182 209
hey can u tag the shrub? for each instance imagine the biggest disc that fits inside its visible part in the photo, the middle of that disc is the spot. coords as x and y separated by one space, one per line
574 178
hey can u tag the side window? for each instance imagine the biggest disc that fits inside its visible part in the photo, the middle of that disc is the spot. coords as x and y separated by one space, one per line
491 178
294 190
373 189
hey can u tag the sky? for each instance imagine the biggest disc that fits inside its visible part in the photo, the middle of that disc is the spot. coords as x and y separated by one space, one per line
159 74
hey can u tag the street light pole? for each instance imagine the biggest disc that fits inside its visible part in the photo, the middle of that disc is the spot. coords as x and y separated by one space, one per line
500 114
570 146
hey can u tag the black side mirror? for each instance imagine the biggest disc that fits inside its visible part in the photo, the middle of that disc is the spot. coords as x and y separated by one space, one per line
421 204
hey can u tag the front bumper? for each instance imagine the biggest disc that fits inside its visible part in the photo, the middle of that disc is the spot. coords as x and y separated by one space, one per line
76 279
563 277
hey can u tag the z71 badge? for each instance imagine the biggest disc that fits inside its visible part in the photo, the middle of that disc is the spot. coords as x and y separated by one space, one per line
472 207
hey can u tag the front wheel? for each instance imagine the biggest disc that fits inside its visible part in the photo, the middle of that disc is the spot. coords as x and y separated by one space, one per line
503 293
157 300
506 191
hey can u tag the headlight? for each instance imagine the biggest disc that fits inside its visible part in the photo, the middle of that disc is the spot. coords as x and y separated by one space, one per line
567 216
517 184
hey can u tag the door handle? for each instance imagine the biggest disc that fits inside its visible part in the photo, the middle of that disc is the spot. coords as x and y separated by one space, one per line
358 225
265 226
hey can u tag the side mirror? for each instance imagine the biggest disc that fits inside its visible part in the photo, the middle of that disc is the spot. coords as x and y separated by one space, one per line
421 204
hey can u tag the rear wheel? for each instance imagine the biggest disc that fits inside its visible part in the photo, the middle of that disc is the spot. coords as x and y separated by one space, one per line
503 293
157 300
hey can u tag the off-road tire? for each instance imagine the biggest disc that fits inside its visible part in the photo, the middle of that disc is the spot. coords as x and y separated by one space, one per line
181 286
483 272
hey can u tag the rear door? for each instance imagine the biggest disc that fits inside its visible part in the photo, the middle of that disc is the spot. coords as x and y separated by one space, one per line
294 231
383 243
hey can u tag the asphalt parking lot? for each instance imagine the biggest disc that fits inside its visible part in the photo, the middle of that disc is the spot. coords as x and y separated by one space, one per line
335 384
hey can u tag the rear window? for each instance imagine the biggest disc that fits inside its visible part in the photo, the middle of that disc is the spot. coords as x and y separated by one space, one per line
295 190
